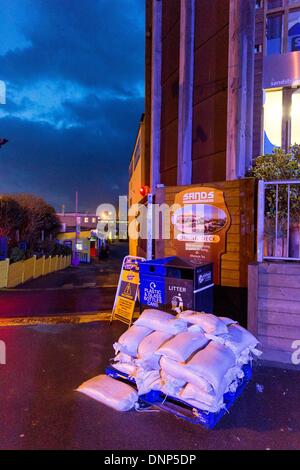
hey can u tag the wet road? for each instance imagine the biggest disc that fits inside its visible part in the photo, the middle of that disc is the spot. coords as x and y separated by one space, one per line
88 288
40 410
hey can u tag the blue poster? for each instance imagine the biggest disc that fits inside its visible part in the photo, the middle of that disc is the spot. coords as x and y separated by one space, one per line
3 248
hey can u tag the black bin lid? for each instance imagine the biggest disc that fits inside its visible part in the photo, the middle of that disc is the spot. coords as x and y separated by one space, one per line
177 262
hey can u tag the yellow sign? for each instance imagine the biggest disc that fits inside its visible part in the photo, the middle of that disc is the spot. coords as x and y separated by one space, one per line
127 290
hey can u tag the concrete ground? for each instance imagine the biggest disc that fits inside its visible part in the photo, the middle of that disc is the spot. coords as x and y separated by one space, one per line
40 409
87 288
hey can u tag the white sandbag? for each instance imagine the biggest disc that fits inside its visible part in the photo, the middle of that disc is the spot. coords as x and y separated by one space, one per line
171 386
212 363
146 357
195 329
149 363
129 369
124 358
239 339
201 399
207 321
183 345
190 392
149 345
110 392
228 321
147 380
129 341
161 321
183 373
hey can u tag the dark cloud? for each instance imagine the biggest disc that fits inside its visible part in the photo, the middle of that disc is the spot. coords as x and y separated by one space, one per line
92 158
95 43
74 98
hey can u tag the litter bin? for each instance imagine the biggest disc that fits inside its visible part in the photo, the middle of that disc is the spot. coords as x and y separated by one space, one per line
174 284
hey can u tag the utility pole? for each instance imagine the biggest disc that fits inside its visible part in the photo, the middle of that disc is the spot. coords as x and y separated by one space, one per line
77 227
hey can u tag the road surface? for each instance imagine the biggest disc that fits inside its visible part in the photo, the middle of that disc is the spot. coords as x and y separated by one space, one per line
88 288
40 409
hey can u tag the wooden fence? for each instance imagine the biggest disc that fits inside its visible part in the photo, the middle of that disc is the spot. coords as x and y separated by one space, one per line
12 275
274 308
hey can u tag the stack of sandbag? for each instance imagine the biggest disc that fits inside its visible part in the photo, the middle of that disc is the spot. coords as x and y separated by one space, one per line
196 357
136 348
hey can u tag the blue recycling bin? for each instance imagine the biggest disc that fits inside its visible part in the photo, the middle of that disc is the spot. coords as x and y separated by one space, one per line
174 284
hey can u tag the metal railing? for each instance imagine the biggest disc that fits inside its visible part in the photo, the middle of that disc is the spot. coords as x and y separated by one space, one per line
278 220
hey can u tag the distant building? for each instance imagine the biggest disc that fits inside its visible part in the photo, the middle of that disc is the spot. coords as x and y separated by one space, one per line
70 220
78 232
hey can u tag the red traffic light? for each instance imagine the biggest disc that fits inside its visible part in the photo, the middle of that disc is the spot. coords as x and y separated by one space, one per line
144 191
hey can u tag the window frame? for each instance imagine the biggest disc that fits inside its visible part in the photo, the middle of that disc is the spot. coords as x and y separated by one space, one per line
284 10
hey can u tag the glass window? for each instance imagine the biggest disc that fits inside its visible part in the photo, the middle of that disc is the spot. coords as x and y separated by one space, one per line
86 219
295 118
294 31
274 4
272 120
137 152
274 34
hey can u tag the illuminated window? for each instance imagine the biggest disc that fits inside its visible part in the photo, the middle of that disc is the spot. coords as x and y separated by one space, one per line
295 117
93 220
274 34
272 120
294 31
86 219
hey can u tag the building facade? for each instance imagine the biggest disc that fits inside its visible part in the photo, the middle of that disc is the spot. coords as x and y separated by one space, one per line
223 83
222 88
138 179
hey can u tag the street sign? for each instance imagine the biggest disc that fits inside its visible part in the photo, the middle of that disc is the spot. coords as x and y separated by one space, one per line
127 290
200 226
3 248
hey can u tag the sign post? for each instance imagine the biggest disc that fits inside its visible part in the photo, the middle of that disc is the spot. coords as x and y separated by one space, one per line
127 290
200 226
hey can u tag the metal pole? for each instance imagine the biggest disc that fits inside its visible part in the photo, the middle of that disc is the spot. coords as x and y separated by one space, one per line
149 226
276 220
260 221
288 221
76 226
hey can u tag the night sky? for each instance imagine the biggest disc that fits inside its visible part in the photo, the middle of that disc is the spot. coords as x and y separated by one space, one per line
74 72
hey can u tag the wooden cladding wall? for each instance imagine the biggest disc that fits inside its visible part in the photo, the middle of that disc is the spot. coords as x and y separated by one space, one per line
240 243
274 308
170 90
210 90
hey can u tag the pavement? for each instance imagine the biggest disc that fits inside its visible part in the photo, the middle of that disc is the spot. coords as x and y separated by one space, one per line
83 289
40 409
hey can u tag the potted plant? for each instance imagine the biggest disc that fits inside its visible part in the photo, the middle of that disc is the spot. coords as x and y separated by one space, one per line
281 165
